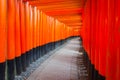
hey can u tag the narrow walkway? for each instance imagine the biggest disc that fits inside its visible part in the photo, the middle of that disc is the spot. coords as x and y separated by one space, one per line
60 66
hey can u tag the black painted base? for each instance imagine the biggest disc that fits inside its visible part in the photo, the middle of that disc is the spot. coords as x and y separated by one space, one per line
101 77
31 56
2 71
57 43
23 61
93 73
37 53
41 51
10 70
47 48
27 59
18 65
34 54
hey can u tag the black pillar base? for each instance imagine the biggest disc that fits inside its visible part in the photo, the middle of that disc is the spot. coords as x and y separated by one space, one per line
44 50
38 51
2 71
30 57
41 51
10 70
34 54
23 61
92 72
27 59
18 65
101 77
53 45
50 47
57 44
95 75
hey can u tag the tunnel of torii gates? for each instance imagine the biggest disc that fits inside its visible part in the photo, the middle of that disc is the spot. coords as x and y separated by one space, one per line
30 28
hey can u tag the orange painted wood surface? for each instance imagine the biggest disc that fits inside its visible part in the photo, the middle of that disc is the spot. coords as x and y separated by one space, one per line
11 30
3 30
17 31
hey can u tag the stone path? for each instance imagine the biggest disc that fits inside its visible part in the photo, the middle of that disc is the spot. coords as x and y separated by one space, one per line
60 66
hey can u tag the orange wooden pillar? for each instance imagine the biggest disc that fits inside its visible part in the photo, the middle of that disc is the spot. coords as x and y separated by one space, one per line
37 37
56 33
38 34
41 35
17 39
31 34
3 37
48 34
53 33
117 36
45 31
111 73
27 32
42 40
65 32
11 40
59 33
22 35
93 30
86 35
97 41
34 31
103 38
62 33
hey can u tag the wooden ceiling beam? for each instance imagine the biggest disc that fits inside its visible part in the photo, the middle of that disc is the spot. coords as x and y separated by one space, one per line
54 2
65 12
39 3
70 19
